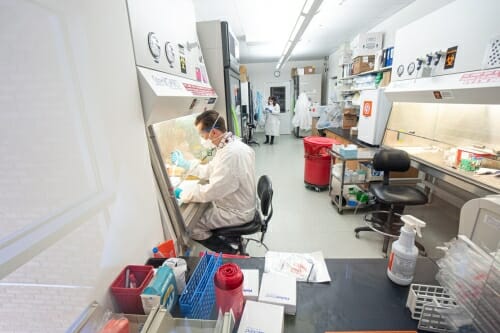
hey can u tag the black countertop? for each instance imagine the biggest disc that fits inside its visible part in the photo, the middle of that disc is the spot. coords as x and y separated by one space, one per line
360 296
346 134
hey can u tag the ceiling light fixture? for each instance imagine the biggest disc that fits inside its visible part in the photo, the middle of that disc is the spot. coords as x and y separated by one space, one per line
297 27
307 6
307 13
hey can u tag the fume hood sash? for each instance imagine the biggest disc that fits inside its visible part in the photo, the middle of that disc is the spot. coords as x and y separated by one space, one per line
476 87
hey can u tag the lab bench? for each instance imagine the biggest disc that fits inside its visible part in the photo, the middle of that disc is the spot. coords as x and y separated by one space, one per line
359 297
434 167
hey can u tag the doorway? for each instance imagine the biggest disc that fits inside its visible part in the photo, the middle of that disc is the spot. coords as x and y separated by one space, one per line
281 90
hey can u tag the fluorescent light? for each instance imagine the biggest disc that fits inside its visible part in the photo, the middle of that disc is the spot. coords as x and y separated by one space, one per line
307 6
297 27
309 10
285 50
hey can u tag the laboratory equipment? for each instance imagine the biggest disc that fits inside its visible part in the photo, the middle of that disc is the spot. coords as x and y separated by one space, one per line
222 57
174 87
373 116
198 298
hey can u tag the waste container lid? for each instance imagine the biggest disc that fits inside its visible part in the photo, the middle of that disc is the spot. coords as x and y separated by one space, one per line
319 141
317 145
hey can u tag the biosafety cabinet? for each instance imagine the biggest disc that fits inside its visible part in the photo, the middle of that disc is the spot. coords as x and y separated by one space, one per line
446 93
174 87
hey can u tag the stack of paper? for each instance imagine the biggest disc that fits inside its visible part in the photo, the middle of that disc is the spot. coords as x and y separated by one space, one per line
261 317
250 284
279 290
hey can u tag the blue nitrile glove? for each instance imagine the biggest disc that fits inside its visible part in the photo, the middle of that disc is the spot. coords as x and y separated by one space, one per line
177 158
177 193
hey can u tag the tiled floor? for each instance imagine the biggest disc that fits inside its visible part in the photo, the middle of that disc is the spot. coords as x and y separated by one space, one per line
306 221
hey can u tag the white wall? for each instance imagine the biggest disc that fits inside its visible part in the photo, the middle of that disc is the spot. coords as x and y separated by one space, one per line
261 74
75 161
412 12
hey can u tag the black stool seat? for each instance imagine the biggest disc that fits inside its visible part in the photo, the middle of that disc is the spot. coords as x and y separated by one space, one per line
398 195
232 236
245 229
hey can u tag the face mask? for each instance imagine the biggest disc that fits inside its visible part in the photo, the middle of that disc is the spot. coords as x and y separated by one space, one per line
207 143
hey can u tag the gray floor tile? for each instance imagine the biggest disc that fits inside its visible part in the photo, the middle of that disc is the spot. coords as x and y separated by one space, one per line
306 221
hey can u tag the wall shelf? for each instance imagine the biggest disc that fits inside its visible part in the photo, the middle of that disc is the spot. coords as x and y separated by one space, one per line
383 69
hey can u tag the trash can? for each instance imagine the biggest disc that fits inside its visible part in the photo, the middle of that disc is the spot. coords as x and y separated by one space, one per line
317 162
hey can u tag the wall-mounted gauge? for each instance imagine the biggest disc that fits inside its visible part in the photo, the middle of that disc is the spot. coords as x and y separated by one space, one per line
170 53
411 68
154 46
401 70
277 73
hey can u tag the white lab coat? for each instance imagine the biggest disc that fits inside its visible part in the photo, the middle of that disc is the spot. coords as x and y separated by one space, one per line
272 126
231 189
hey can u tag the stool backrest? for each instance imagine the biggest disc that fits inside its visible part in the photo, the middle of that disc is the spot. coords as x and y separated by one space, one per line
265 194
391 160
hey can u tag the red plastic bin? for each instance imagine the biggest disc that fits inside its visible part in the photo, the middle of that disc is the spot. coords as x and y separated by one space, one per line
129 299
317 160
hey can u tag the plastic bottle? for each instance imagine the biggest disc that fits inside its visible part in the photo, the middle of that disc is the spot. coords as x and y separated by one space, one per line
404 253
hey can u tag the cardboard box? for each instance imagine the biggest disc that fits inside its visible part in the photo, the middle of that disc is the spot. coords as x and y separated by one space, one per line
314 126
350 111
279 289
251 284
309 70
386 79
262 317
349 120
363 64
161 290
303 70
243 73
368 44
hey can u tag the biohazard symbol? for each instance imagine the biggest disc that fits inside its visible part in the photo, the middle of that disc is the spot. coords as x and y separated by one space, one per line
367 108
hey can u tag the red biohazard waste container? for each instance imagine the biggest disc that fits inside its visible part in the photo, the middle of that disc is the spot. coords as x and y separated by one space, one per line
317 162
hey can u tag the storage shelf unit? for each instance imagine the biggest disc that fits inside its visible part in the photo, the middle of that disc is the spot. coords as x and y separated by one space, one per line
384 69
364 154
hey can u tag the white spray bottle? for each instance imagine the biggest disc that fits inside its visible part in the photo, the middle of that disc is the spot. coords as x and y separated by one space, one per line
404 253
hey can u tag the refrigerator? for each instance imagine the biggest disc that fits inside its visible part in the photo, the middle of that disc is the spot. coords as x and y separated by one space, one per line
373 115
220 49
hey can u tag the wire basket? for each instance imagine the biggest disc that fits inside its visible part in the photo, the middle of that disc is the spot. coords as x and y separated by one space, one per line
430 305
198 297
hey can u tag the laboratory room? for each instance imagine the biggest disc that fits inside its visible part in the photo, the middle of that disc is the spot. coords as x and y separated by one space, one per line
249 166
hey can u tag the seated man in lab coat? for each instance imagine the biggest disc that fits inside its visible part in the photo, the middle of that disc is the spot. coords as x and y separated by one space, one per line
231 188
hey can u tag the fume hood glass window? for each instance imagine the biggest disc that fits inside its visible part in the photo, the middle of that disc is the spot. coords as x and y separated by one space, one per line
443 125
435 133
180 135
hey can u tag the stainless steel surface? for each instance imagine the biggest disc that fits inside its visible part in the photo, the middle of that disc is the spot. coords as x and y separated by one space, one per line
466 183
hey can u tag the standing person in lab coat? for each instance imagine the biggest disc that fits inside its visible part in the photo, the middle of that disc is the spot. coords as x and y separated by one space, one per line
231 186
272 127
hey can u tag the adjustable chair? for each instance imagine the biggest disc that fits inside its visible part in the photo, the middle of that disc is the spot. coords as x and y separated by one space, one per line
234 235
391 197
